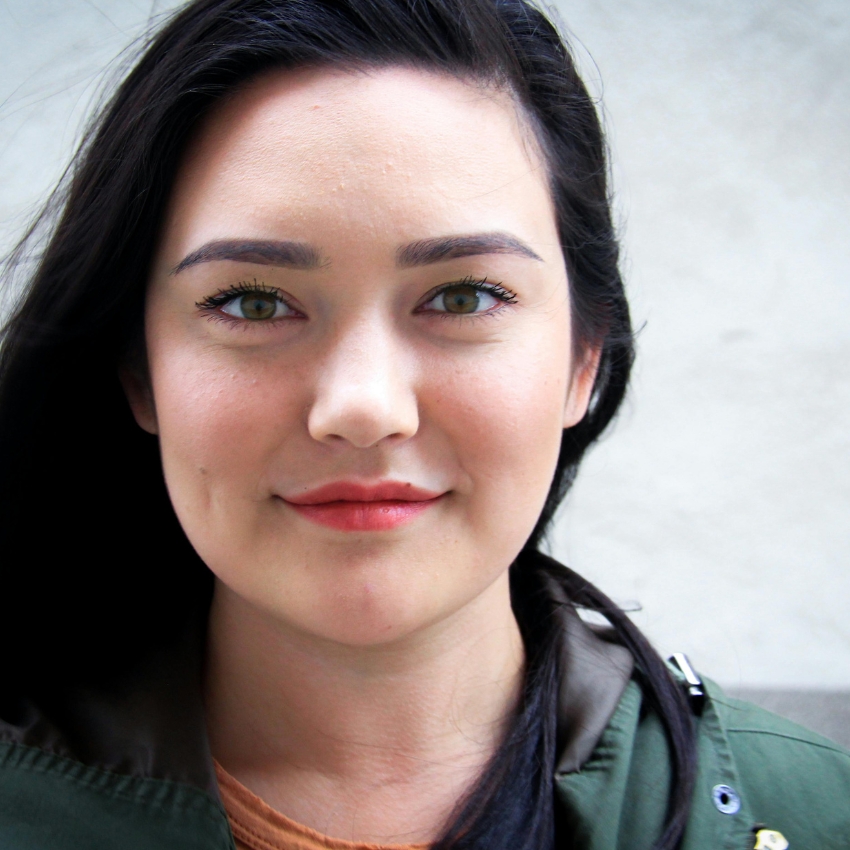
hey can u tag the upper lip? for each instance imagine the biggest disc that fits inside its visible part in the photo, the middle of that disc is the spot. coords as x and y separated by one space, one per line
354 491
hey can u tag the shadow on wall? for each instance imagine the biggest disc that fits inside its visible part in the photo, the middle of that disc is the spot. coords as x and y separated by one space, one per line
826 712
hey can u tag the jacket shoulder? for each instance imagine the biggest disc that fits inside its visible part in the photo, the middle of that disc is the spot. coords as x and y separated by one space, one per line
753 768
794 780
744 717
49 802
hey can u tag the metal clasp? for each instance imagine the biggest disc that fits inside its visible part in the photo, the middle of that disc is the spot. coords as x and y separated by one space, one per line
695 687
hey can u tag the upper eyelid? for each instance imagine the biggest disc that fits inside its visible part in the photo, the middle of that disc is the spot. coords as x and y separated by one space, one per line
243 288
494 287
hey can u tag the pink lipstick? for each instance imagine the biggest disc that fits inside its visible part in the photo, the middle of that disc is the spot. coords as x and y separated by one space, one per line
350 506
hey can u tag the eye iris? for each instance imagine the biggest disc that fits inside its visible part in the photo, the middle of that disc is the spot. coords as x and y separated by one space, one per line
258 305
461 299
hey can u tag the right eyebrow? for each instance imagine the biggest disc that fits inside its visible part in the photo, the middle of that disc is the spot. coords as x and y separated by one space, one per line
264 252
436 250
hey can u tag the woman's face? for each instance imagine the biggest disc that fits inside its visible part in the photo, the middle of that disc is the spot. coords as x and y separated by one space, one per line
358 332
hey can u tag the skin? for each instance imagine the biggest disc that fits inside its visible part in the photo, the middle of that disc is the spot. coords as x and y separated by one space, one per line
358 681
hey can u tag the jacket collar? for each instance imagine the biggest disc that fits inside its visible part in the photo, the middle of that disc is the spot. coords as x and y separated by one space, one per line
593 675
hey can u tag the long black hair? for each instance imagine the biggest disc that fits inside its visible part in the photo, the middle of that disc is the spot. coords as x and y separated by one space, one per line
91 544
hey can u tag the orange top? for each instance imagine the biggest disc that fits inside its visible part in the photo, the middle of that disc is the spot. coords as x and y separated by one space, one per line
257 826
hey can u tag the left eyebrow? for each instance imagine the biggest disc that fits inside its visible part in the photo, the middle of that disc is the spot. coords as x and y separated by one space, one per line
441 248
264 252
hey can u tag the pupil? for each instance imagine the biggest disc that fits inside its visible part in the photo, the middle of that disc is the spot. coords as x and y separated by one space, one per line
257 306
461 299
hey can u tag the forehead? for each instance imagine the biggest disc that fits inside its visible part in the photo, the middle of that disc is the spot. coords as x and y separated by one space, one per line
397 148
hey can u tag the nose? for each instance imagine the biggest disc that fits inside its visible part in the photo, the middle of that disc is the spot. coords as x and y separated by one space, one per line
365 392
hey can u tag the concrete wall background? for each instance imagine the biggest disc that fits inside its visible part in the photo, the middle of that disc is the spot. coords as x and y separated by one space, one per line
720 501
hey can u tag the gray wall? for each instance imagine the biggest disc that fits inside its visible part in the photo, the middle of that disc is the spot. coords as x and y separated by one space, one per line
718 503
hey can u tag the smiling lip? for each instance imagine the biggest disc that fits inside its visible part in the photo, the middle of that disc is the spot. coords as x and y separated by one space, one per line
349 506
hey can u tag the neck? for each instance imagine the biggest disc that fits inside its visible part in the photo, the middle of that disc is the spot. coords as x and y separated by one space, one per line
374 743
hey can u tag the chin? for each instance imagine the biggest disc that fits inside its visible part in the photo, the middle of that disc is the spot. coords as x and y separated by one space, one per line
367 634
368 617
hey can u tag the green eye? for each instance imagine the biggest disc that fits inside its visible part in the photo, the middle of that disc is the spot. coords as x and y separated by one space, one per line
250 301
468 297
461 299
254 306
258 305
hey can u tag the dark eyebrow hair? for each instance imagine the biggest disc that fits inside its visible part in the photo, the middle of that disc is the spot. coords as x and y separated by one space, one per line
264 252
441 248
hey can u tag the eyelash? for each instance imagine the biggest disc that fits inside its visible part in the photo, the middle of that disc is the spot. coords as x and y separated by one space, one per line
245 287
482 285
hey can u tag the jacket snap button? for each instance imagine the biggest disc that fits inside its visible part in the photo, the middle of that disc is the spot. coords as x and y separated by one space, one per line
726 799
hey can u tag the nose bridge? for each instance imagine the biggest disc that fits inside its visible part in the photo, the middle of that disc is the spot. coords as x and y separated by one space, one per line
364 392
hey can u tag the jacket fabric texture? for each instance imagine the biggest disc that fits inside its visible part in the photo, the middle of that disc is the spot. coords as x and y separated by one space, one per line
128 764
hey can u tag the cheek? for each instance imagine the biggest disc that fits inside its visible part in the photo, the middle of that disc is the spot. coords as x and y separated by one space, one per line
504 414
218 425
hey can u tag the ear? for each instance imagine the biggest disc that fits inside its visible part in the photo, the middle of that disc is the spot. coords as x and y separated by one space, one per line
137 388
581 386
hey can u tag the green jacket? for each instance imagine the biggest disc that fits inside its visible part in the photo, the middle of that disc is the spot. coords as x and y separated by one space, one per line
781 776
128 765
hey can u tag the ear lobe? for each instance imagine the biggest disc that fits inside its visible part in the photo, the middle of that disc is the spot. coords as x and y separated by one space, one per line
581 387
137 388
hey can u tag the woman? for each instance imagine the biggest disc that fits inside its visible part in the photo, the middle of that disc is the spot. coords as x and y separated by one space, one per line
342 277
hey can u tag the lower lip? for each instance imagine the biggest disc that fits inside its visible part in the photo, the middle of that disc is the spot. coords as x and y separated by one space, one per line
364 516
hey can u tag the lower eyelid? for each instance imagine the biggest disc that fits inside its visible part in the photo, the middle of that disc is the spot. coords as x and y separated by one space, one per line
482 314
